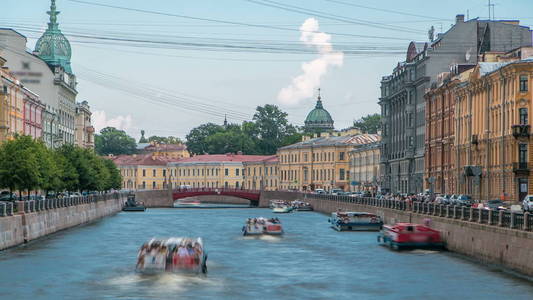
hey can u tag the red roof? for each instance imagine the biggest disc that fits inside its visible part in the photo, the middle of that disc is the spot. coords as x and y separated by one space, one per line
143 159
224 158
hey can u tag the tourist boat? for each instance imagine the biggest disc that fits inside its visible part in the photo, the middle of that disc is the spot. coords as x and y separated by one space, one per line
132 205
281 209
175 254
409 235
355 221
260 226
188 202
301 206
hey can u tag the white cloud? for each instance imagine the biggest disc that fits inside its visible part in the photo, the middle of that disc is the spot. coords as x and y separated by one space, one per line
304 85
101 121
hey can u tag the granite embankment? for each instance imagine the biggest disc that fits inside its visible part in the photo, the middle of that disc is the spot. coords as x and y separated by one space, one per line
493 237
36 219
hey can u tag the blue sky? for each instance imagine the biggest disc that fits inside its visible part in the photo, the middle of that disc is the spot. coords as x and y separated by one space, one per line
213 83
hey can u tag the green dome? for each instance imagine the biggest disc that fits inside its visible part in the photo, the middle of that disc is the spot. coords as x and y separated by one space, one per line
53 47
319 118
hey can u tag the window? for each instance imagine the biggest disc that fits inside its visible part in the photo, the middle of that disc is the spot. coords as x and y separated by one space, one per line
144 173
523 116
237 174
226 172
523 83
144 184
341 155
153 185
226 184
522 153
164 173
341 174
237 183
153 173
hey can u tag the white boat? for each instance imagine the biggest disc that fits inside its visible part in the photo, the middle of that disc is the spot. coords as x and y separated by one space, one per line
260 226
355 221
282 208
175 254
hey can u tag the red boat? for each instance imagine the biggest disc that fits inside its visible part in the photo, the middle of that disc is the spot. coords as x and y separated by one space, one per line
409 235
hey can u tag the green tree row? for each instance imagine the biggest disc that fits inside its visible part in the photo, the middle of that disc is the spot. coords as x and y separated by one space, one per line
268 130
28 165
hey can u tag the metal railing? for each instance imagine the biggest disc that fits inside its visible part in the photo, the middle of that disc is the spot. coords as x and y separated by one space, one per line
514 220
10 208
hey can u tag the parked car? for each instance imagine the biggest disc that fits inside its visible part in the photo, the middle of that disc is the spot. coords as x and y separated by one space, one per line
336 191
442 199
8 197
495 204
320 191
453 199
464 200
356 194
527 203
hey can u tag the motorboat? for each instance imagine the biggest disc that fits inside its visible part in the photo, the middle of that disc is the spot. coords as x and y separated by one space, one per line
176 254
260 226
409 235
301 206
355 221
281 207
132 205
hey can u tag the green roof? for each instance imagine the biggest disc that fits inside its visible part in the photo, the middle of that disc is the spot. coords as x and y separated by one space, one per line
319 117
53 47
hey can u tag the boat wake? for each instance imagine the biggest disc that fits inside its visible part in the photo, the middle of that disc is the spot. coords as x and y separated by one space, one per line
168 282
422 251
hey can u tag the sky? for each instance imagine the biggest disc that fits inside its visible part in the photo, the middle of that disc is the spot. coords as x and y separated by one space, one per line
167 66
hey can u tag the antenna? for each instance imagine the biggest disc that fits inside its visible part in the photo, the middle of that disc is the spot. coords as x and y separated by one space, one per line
467 14
491 5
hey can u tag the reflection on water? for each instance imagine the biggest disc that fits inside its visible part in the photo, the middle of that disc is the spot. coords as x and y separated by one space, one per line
310 261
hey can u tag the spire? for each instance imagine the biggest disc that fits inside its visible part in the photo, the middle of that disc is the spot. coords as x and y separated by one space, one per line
53 16
225 120
319 100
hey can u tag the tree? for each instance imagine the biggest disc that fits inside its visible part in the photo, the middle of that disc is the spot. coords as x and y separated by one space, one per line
196 139
114 141
80 160
115 179
49 168
19 166
272 128
369 124
232 140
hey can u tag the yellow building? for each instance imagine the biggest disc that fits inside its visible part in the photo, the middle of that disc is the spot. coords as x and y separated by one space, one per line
12 95
172 151
212 171
364 167
261 174
84 131
492 145
145 172
320 162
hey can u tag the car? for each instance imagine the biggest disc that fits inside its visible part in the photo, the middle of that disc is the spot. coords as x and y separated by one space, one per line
495 204
336 191
527 203
356 194
453 199
320 191
464 200
8 197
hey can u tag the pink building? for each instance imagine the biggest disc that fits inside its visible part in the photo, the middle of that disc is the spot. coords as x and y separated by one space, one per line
33 115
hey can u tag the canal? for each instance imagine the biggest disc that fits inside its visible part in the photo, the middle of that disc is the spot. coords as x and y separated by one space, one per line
311 261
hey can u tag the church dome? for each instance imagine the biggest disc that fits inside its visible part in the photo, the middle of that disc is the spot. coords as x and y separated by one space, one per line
53 47
319 118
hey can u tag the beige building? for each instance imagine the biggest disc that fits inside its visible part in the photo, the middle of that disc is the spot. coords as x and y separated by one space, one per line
212 171
145 172
84 131
320 162
364 167
261 174
172 151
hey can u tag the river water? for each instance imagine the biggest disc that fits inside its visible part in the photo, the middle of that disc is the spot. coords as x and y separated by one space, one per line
311 261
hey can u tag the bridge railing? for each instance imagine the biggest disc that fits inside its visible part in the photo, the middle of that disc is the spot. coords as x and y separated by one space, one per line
215 190
10 208
498 218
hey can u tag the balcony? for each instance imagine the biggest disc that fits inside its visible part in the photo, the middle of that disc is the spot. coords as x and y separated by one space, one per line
520 131
521 168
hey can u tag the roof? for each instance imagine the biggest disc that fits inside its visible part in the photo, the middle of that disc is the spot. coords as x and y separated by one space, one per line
359 139
165 147
266 159
217 158
141 146
141 160
319 117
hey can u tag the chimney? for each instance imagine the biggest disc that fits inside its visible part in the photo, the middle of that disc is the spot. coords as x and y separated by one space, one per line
459 19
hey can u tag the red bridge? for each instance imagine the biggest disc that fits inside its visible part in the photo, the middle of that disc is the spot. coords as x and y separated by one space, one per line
252 195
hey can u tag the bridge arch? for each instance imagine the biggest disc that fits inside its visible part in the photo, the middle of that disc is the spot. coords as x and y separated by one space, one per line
250 195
